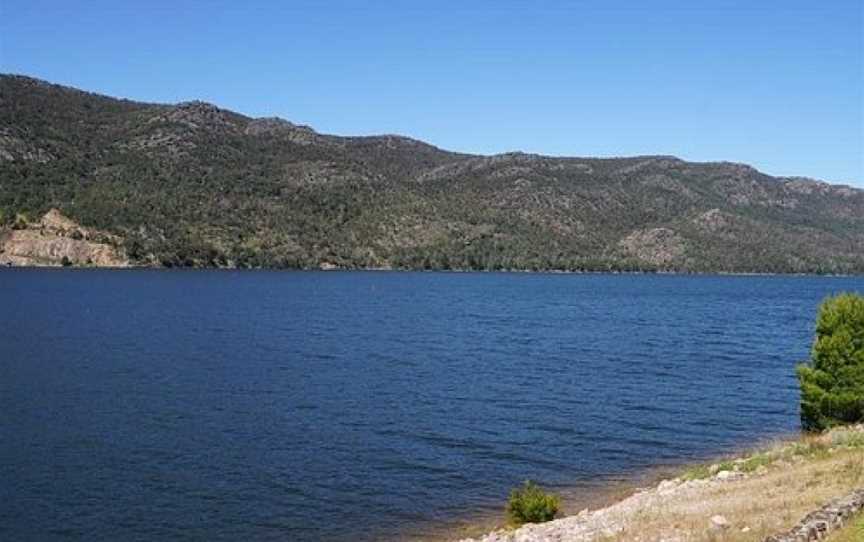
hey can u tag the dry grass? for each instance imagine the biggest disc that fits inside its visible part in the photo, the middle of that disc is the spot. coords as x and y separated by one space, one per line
793 480
853 532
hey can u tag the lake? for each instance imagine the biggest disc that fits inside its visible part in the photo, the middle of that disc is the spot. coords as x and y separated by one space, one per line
204 405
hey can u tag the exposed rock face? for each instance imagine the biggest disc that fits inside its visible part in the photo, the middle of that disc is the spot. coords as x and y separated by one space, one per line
276 127
712 221
13 148
657 246
197 115
57 240
56 223
173 130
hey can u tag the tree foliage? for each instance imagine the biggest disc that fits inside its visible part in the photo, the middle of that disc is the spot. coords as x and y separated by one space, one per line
195 185
530 504
832 385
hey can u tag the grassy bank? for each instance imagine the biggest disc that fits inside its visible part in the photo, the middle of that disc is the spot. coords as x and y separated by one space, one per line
759 494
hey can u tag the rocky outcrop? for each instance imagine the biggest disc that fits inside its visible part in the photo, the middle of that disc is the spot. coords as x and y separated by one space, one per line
198 115
712 221
57 240
276 127
14 148
816 525
657 246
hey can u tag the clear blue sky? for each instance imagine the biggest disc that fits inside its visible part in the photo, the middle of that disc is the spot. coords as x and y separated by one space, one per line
777 84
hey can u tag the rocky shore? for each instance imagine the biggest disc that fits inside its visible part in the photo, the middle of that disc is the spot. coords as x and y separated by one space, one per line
763 496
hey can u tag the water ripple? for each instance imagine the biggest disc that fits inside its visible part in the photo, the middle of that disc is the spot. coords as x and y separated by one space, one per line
298 406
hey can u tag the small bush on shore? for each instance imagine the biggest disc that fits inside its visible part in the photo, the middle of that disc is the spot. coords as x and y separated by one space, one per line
832 385
752 463
530 504
697 472
703 471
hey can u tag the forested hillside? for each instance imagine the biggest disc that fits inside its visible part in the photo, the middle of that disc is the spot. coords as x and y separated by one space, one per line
195 185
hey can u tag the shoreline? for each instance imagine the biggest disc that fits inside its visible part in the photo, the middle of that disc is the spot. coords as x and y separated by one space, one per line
683 506
441 271
605 492
574 499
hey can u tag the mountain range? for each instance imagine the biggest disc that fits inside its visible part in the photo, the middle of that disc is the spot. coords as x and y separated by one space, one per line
195 185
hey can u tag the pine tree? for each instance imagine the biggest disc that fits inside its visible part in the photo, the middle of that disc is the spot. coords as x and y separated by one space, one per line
832 384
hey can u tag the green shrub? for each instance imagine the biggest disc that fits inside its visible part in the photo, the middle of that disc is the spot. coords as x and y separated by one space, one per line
697 472
752 463
728 465
530 504
832 384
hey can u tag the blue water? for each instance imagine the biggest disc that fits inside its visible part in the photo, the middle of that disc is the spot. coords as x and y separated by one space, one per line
203 405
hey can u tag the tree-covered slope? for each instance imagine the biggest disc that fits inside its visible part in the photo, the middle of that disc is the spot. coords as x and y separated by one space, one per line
192 184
